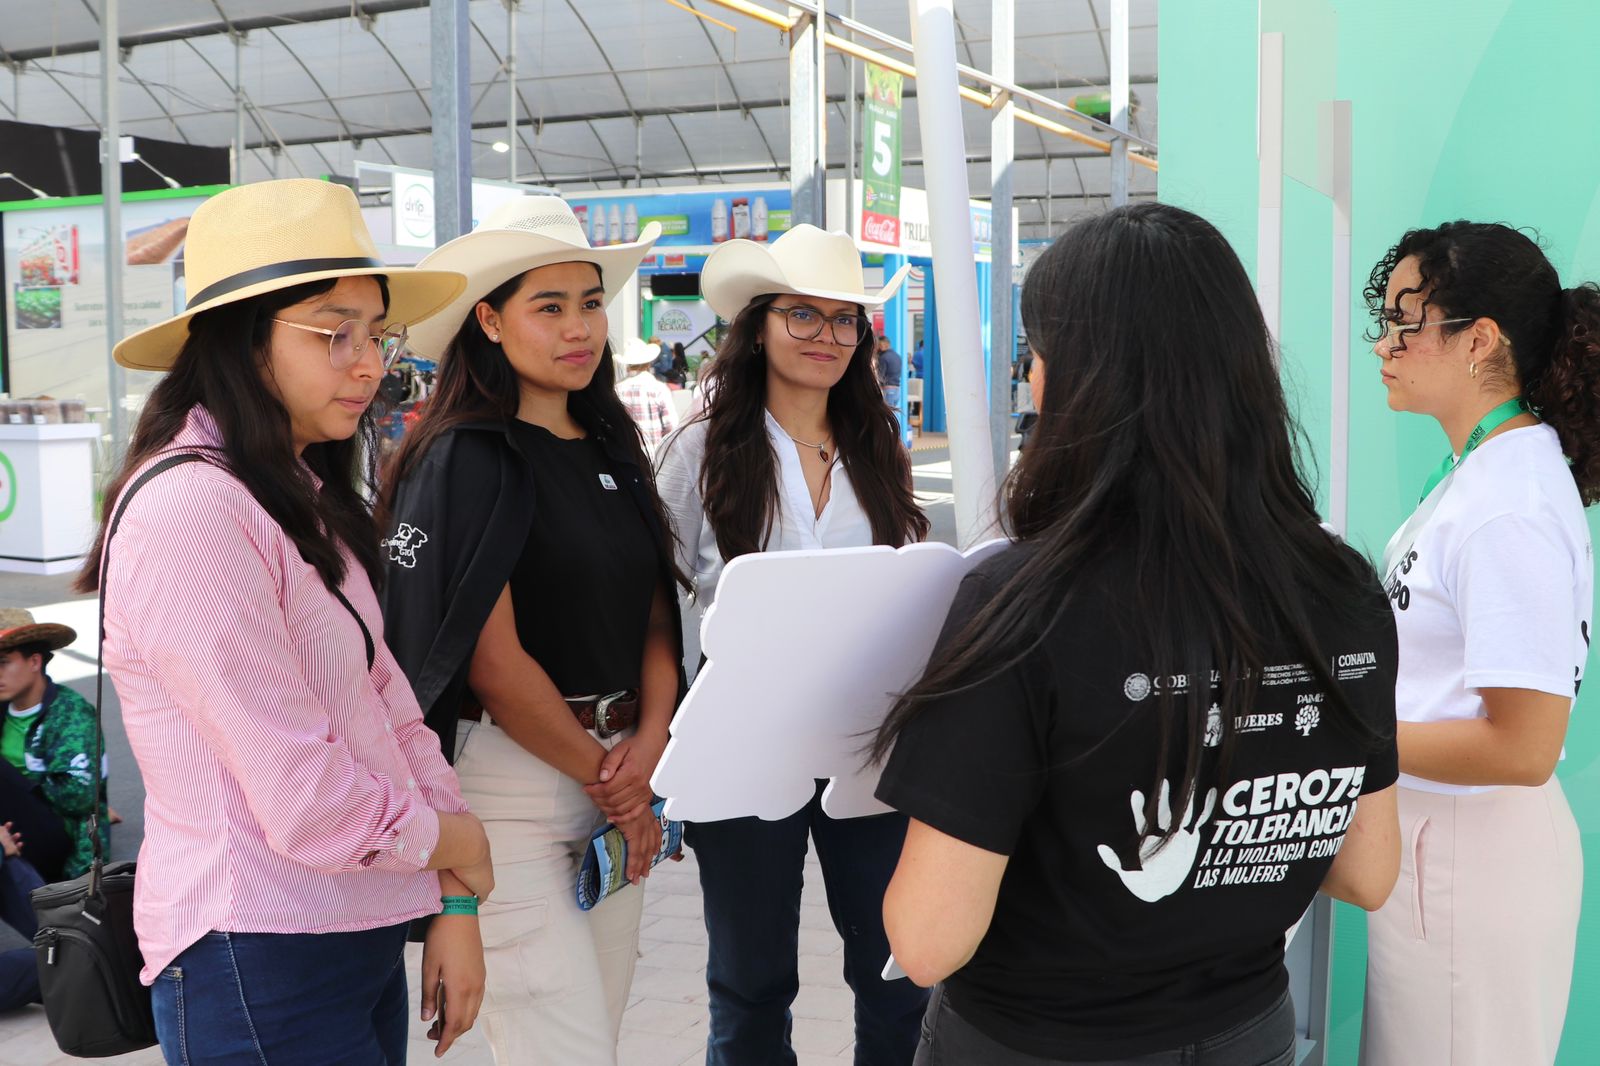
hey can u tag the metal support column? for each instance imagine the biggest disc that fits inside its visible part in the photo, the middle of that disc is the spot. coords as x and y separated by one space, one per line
955 281
852 223
1119 101
452 120
511 90
111 195
808 120
238 108
1002 141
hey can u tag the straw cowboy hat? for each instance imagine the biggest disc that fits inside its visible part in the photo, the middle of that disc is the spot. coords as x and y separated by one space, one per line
518 236
639 353
805 261
18 630
254 239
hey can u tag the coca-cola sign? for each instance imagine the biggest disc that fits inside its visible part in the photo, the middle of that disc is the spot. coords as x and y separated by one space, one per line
880 229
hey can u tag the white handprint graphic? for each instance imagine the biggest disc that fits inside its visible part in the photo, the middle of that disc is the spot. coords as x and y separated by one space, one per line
1163 870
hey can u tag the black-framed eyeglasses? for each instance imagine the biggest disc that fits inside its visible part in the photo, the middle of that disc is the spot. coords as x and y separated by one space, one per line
348 342
805 324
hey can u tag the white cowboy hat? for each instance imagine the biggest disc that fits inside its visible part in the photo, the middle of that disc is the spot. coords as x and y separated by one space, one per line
270 235
518 236
639 352
804 261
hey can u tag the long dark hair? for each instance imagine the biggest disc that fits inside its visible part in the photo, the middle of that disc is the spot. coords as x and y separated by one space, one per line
1478 270
1163 434
477 382
739 475
220 367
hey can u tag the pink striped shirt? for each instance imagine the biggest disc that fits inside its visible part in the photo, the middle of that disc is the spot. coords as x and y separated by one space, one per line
287 788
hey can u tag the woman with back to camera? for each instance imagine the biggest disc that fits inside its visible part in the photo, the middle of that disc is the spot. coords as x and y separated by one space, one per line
795 449
1492 585
531 601
1138 752
296 807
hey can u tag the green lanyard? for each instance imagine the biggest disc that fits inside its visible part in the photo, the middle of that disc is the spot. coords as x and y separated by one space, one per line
1491 422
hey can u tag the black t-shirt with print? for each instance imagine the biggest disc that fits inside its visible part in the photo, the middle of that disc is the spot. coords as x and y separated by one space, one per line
1092 954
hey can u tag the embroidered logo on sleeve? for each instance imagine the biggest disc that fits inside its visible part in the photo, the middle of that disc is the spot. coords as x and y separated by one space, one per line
608 482
404 544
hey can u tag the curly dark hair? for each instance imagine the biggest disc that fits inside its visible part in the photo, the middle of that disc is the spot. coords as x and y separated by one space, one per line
1476 270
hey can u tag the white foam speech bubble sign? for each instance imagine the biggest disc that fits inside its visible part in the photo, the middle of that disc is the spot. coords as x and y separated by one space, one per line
805 652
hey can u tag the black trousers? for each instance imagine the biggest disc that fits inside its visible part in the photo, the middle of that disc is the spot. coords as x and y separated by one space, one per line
45 843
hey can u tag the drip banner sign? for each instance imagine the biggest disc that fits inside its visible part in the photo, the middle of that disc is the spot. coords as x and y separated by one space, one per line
880 165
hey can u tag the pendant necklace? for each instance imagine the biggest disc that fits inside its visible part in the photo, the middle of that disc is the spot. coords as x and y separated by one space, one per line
822 449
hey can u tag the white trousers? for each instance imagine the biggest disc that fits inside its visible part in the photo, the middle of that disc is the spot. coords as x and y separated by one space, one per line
557 977
1470 961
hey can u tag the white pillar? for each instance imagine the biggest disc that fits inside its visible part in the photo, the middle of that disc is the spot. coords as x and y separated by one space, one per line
1269 221
956 283
808 125
1002 140
1119 101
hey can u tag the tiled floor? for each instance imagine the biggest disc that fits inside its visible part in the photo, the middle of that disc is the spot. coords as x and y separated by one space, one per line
666 1020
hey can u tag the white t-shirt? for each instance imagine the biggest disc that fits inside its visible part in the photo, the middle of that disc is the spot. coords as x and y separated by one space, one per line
842 524
1496 589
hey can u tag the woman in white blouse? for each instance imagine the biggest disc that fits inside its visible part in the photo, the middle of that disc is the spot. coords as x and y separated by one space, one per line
1492 584
795 449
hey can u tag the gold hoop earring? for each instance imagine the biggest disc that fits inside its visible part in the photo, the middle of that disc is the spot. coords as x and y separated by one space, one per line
1472 369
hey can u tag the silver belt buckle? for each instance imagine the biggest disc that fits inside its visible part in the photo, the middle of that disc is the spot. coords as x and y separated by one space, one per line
602 706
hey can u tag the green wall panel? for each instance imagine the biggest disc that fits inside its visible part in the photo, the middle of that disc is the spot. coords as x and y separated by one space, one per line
1480 109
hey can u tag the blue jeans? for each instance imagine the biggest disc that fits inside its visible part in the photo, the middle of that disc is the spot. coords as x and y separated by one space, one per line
318 999
751 874
1268 1039
19 968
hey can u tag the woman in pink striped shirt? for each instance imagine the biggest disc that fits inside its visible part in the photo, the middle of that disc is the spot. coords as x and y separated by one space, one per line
298 814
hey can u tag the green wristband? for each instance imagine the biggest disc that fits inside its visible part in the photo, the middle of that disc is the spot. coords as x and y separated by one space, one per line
459 904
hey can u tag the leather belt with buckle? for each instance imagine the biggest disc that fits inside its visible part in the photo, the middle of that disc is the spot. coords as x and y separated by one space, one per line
607 715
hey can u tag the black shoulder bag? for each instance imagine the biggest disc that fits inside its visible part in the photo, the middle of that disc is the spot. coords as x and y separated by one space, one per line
88 953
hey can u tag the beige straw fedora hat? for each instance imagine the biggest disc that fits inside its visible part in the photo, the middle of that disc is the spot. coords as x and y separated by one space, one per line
518 236
804 261
18 629
270 235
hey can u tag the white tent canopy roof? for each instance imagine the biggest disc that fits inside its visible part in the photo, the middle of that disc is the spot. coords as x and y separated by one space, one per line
620 92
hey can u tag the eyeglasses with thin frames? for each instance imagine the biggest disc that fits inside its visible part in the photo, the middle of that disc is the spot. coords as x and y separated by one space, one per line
1389 330
348 342
805 324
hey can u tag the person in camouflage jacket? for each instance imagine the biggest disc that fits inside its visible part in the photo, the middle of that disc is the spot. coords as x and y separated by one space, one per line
60 747
59 744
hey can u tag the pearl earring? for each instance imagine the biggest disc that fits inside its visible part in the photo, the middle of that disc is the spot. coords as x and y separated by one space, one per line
494 338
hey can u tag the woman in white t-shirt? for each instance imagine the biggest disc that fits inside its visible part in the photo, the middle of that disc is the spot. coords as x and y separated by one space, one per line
1491 582
795 449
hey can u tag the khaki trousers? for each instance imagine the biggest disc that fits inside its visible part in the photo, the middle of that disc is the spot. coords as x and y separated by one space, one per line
557 977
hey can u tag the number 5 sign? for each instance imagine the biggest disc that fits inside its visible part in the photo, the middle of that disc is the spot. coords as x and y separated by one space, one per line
880 167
